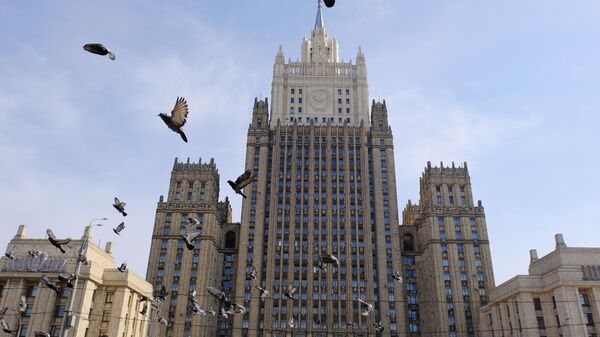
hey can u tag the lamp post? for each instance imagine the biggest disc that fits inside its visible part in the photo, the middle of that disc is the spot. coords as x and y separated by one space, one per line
68 316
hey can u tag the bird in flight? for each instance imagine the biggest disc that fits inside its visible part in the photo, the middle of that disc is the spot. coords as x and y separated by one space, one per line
99 49
178 117
397 276
10 255
55 242
50 284
241 182
119 228
66 280
367 308
6 328
193 221
326 259
378 326
263 293
329 3
251 275
189 239
122 267
23 305
120 206
161 319
144 309
289 291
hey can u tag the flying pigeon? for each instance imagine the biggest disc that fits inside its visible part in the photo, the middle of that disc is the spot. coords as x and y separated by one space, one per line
196 308
367 307
238 308
220 296
122 267
50 284
5 327
3 312
241 182
57 243
120 206
160 294
326 259
292 323
193 221
119 228
10 255
144 309
378 326
189 239
349 325
161 319
143 299
397 277
33 253
67 280
98 48
41 334
329 3
211 311
223 313
263 293
23 305
289 291
83 259
251 275
178 117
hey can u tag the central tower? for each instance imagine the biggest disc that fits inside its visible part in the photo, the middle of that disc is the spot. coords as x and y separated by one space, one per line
319 89
325 184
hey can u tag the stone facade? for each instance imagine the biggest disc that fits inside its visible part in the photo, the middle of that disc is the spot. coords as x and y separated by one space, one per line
193 192
106 301
448 267
559 297
325 184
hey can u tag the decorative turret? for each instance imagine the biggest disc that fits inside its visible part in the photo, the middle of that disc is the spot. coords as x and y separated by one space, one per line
260 114
379 116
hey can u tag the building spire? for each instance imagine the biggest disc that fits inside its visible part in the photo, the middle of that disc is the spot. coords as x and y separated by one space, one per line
319 23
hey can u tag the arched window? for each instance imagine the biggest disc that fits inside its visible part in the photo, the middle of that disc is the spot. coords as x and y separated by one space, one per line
230 240
408 243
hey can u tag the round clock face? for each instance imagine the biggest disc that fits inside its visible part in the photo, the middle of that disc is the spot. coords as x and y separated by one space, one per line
319 99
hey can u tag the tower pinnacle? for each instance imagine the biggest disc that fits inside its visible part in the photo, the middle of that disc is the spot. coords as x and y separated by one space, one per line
319 23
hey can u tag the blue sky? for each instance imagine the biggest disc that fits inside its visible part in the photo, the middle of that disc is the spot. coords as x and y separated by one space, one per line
511 87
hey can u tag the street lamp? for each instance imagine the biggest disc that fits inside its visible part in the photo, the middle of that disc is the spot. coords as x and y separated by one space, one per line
68 319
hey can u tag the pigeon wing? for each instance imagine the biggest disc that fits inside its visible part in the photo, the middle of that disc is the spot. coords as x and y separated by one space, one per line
180 112
63 242
120 227
193 236
50 234
243 177
5 325
117 201
23 304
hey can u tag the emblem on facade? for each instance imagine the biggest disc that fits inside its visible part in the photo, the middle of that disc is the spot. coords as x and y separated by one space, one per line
38 263
319 100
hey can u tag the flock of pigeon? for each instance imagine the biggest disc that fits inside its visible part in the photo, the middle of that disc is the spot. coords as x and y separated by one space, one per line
175 122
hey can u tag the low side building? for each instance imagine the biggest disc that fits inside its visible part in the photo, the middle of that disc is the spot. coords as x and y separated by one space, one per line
559 298
106 300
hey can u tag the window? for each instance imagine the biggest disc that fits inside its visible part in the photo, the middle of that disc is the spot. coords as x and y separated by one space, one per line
32 290
189 196
59 311
451 200
166 230
474 236
292 91
105 316
300 93
439 200
109 297
589 319
347 100
339 91
537 304
202 196
291 109
177 196
23 332
347 91
300 110
339 110
347 110
292 100
540 322
339 101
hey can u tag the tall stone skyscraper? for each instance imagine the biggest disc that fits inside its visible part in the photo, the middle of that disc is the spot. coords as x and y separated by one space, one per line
325 184
448 268
193 192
